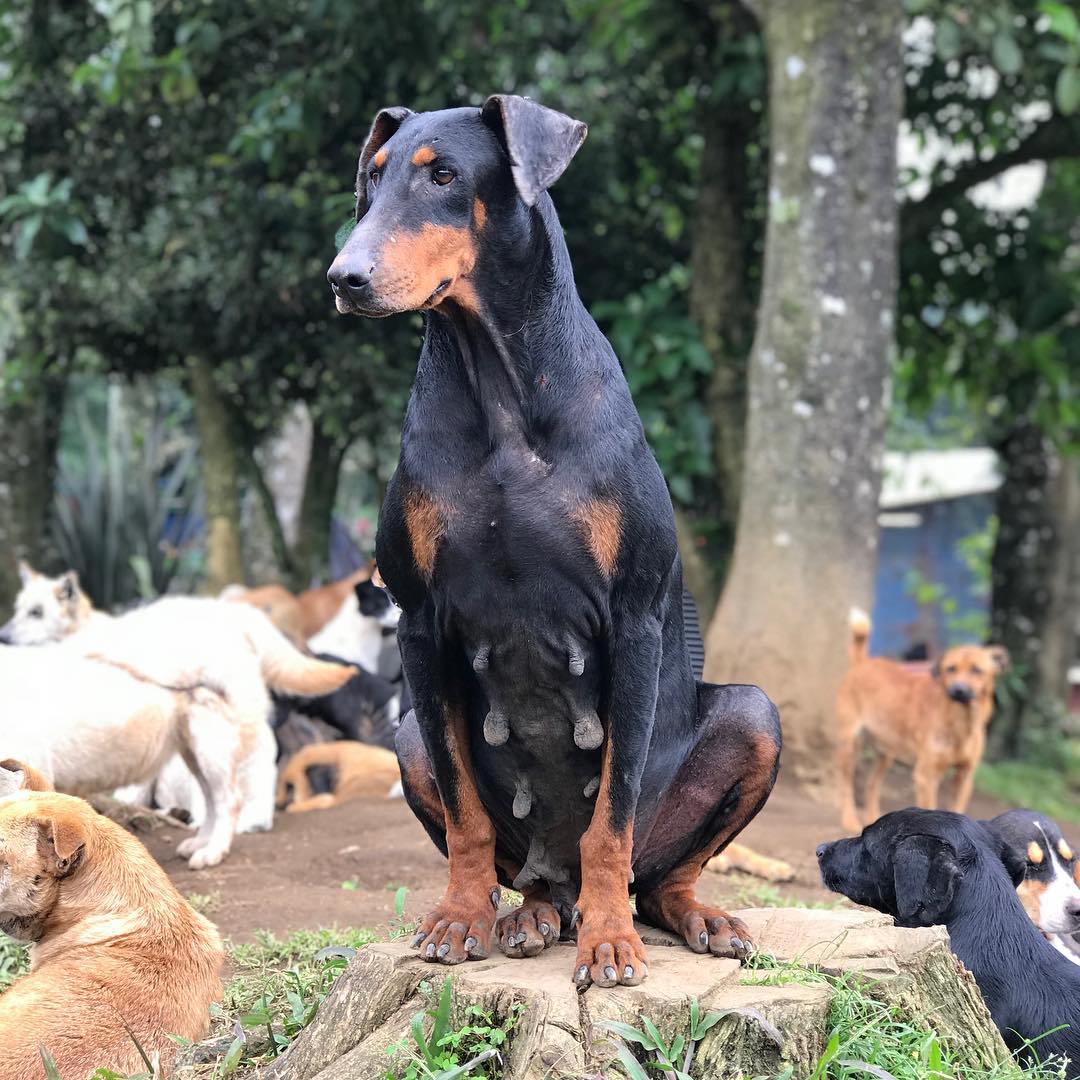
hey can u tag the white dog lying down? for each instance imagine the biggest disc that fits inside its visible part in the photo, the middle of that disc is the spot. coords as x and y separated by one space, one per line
230 653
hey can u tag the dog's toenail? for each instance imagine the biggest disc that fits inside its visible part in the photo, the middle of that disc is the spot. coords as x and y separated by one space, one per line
610 973
496 896
575 918
430 950
736 944
545 929
703 938
582 973
444 948
470 944
418 940
628 972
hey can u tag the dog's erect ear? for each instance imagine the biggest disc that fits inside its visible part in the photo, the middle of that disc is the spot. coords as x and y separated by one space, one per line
385 124
539 141
1000 657
67 588
64 837
18 776
925 875
26 572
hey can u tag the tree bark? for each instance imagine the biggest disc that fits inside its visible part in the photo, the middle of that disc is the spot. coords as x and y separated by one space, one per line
719 301
807 533
31 427
1030 553
220 469
312 551
1062 620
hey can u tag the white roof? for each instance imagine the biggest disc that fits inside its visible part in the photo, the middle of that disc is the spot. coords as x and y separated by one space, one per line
923 476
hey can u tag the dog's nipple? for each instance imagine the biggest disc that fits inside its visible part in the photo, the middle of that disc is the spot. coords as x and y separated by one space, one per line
592 787
496 728
588 731
522 798
482 657
576 658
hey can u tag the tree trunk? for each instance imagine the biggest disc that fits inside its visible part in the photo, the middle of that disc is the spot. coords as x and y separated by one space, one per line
31 427
807 533
1025 562
719 303
218 459
1062 620
311 554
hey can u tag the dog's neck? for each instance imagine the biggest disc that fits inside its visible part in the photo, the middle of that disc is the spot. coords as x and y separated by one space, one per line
993 937
524 336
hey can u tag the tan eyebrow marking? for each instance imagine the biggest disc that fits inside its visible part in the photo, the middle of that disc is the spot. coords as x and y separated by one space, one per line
379 160
1064 850
425 155
1035 853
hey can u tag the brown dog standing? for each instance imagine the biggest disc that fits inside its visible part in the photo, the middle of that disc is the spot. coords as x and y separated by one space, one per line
935 720
115 950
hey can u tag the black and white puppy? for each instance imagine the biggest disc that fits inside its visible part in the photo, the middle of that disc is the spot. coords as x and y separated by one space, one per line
927 867
364 631
1050 891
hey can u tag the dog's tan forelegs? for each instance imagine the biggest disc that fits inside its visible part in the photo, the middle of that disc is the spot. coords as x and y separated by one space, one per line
927 780
872 797
845 766
963 785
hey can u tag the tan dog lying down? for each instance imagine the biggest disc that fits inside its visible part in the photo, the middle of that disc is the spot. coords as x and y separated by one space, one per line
362 770
935 721
113 945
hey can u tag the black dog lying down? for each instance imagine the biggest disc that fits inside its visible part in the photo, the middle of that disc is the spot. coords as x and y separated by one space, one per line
924 867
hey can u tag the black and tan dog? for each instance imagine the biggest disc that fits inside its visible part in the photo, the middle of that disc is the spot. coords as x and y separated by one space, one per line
559 743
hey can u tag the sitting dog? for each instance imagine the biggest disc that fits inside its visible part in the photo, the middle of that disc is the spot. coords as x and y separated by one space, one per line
359 771
925 867
934 720
116 953
559 742
1050 891
231 651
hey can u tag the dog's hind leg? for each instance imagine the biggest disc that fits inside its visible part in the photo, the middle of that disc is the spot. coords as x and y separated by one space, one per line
927 778
211 752
963 783
314 802
872 791
723 782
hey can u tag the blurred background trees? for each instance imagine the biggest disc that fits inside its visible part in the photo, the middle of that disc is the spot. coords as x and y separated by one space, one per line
172 178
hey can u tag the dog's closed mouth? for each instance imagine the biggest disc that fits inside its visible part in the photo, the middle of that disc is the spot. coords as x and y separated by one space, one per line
439 290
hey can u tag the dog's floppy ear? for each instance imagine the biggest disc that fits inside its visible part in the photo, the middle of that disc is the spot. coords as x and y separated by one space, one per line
64 838
68 586
18 776
925 875
999 655
539 141
383 127
26 572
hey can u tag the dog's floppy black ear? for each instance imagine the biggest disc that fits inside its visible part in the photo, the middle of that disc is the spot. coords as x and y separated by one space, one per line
539 141
925 875
383 127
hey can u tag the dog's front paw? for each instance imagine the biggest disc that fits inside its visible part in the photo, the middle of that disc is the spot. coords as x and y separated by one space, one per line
610 952
529 929
458 929
711 930
189 846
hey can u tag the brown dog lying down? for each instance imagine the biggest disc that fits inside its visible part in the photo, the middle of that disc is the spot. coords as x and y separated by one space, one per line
362 770
935 720
115 950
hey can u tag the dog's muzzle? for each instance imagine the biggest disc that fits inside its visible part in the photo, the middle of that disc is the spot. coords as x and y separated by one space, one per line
960 692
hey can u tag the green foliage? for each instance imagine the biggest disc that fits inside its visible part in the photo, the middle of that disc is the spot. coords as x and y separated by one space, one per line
126 469
445 1052
672 1057
1045 778
668 369
14 961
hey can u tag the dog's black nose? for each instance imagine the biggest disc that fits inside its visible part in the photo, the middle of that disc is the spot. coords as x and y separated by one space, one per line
1072 909
960 692
349 278
821 849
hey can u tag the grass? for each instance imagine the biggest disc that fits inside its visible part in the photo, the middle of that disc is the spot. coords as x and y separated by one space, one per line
205 903
743 891
1044 777
14 961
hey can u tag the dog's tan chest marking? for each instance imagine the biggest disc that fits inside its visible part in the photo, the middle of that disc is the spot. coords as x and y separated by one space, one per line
425 521
600 523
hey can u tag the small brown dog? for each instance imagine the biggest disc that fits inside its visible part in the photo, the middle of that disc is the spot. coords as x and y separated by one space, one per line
362 770
116 953
935 720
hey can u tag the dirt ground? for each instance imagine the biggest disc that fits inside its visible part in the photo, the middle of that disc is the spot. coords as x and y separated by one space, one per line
341 867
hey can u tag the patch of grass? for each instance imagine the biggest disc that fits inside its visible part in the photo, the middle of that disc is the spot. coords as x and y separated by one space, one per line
14 960
205 903
750 892
1050 789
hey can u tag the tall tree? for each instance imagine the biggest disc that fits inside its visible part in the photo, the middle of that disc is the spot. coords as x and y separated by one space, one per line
819 366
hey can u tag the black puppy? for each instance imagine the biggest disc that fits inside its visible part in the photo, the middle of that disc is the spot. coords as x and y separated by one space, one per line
925 867
559 743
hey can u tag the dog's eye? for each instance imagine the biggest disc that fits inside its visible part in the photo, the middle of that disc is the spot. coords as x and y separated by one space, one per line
976 671
951 669
36 612
373 176
442 175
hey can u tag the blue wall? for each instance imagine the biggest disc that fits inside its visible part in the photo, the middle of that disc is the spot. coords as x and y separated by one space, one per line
930 548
